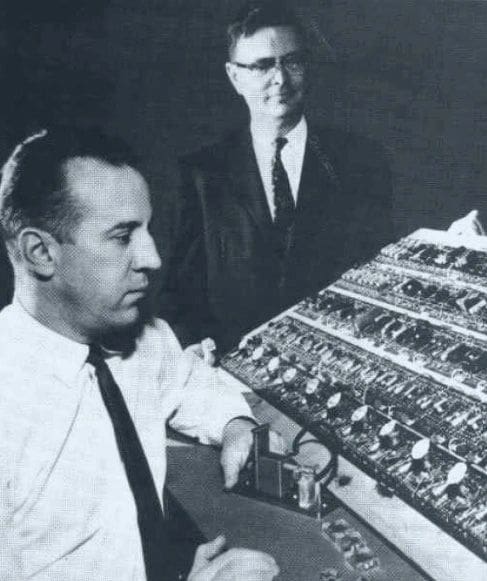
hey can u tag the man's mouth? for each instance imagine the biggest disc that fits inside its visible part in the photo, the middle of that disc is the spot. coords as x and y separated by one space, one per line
142 290
281 96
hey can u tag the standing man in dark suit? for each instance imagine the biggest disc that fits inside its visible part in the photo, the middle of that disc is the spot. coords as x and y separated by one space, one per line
275 211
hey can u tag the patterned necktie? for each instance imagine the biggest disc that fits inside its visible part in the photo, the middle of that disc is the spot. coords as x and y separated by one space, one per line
283 199
152 527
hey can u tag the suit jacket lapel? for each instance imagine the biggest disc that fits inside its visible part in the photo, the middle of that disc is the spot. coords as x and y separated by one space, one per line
318 189
247 189
319 186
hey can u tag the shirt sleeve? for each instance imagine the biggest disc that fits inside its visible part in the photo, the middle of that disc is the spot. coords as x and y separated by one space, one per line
204 403
9 554
207 404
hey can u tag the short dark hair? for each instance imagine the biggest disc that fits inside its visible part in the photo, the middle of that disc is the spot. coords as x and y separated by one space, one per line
33 189
253 16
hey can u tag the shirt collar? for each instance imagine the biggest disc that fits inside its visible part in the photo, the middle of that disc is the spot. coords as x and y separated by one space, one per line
64 356
295 137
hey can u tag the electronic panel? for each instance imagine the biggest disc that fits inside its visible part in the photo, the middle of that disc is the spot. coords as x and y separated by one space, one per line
388 366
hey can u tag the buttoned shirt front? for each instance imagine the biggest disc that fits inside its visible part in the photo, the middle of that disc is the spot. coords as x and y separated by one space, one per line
66 509
292 156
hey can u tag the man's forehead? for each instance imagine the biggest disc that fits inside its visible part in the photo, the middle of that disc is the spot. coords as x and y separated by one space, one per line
266 42
106 188
89 171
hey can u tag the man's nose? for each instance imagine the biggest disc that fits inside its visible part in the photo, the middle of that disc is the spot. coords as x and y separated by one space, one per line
279 74
147 257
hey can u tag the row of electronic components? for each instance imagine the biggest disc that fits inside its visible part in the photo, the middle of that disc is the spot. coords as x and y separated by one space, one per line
447 353
438 256
465 307
445 415
293 388
426 476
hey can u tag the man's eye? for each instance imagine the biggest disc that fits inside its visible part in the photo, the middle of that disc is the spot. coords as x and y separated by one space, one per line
262 67
123 239
292 62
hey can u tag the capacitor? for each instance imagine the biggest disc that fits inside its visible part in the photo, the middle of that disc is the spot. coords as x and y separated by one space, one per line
420 449
273 365
418 453
455 475
357 420
289 375
388 434
308 488
333 401
312 385
332 405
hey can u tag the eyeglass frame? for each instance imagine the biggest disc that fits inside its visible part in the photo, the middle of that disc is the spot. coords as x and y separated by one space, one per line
278 62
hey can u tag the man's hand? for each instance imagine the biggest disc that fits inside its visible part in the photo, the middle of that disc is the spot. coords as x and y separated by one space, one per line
204 350
236 444
468 225
212 564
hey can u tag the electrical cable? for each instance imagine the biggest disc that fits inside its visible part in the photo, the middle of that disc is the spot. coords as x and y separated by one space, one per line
328 471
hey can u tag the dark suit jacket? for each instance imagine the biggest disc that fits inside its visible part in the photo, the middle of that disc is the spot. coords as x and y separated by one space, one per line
224 278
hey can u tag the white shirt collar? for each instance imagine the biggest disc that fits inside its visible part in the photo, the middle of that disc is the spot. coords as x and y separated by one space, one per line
295 137
65 356
292 156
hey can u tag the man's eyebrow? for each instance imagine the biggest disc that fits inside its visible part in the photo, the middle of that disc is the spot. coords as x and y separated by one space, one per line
265 59
130 225
272 59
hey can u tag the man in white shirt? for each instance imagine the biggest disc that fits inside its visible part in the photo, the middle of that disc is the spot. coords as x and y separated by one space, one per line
75 214
276 210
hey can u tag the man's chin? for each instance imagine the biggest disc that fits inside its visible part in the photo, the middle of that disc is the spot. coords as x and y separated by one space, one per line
120 332
127 317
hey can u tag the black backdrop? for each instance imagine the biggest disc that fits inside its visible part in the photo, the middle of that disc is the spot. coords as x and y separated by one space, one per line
411 74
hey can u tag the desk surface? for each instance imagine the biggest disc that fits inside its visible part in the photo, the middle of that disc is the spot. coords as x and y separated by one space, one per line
294 539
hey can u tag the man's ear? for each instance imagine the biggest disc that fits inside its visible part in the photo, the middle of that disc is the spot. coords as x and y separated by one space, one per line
232 74
38 250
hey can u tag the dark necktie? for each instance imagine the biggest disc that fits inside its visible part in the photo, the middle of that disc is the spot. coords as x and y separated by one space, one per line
153 531
283 200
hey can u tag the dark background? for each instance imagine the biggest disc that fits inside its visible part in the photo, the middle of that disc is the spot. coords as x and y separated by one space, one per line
410 73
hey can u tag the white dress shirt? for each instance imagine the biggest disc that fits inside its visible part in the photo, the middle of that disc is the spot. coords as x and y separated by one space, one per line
292 156
66 509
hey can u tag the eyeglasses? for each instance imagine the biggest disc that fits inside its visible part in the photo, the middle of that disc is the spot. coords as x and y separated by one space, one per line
293 63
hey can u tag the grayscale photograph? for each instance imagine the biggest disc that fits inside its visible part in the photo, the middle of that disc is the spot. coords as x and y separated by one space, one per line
243 290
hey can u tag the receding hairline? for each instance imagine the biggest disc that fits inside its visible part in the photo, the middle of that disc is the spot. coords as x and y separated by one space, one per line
82 159
37 177
86 169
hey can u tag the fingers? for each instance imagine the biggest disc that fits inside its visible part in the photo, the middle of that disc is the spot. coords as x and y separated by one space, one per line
472 220
208 347
238 564
204 350
468 225
210 564
210 550
236 444
232 460
478 224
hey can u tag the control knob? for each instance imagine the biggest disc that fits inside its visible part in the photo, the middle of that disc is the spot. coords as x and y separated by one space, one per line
455 475
357 420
